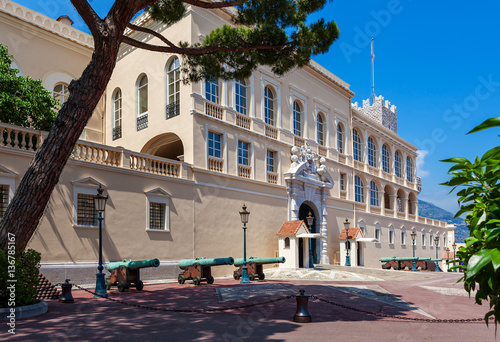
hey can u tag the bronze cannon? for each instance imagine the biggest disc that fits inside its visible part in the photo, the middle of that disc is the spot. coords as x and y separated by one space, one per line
127 272
254 265
199 269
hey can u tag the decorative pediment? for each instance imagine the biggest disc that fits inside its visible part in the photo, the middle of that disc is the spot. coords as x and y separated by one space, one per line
157 192
87 182
5 172
305 166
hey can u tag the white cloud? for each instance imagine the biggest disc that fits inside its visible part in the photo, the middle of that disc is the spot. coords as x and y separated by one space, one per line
421 162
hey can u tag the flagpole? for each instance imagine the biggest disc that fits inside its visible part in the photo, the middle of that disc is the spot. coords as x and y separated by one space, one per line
373 75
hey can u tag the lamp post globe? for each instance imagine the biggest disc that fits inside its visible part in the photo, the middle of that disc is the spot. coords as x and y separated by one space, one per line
347 258
454 255
436 241
100 207
310 221
414 262
448 258
244 270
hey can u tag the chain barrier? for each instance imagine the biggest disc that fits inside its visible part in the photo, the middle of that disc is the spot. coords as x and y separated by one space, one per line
181 310
467 320
403 318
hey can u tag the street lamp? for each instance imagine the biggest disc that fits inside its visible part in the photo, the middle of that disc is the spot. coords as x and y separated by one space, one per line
346 226
436 241
414 263
310 220
100 206
448 258
454 255
244 270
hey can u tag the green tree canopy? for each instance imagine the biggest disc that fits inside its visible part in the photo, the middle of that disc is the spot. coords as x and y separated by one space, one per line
478 185
23 100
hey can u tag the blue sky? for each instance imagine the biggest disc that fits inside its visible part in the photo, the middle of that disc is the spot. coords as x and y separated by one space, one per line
437 61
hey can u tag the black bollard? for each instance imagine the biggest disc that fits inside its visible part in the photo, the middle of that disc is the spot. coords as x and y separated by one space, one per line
302 315
66 296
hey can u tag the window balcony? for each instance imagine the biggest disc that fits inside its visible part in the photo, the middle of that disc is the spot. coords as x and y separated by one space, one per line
298 141
272 177
142 122
213 110
244 171
215 164
172 110
243 121
117 132
271 131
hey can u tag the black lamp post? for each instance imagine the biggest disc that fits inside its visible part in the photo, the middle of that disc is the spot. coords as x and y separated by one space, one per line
346 226
436 241
448 258
100 206
310 220
414 262
244 219
454 255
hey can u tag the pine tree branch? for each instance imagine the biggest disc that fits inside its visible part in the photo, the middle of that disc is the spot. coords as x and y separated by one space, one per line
222 4
151 32
89 16
202 50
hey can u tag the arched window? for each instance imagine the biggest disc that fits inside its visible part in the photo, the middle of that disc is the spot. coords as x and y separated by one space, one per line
117 114
403 237
297 119
241 96
372 153
374 194
173 83
287 242
320 128
269 106
212 89
397 164
356 145
142 95
409 170
61 92
359 194
340 138
385 159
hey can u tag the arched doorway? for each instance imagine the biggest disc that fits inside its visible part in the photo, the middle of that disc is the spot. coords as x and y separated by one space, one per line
304 211
167 145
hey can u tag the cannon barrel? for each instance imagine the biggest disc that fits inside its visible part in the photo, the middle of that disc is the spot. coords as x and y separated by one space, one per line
254 260
133 265
388 259
185 263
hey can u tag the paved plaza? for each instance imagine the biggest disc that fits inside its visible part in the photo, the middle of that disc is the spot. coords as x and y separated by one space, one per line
336 290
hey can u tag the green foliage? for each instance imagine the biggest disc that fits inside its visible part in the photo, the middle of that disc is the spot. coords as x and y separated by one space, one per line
23 101
273 33
479 196
26 265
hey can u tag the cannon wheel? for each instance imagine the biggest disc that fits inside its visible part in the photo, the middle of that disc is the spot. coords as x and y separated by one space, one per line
236 275
122 286
181 279
197 280
108 284
262 276
210 280
251 276
139 286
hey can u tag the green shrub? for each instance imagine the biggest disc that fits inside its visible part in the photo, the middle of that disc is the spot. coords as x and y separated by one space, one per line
25 274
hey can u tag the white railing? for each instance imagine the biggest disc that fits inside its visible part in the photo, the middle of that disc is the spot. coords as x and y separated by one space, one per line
272 177
156 165
96 153
213 110
244 171
21 138
215 164
243 121
271 131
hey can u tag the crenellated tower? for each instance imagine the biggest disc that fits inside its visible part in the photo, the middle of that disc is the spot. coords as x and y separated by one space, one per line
381 112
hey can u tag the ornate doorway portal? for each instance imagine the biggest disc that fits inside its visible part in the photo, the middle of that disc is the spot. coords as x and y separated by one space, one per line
307 187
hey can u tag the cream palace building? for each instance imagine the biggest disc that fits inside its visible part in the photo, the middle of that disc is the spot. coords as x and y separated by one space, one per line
178 161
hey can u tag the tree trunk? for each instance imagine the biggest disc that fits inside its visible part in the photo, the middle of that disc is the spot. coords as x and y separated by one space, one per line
33 194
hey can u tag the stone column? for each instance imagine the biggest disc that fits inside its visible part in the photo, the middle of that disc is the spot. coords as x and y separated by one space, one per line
324 259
